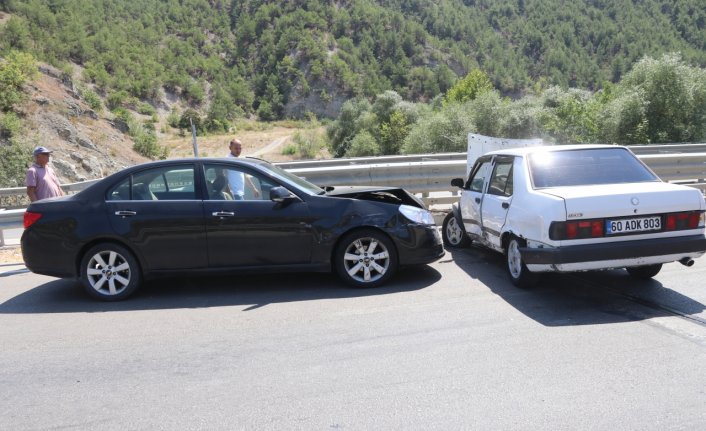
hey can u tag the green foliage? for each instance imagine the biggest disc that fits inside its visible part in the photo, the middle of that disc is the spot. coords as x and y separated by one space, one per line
93 100
363 144
289 150
188 117
347 125
673 95
10 126
442 131
570 117
173 119
262 54
471 86
144 138
624 119
393 133
146 109
14 159
308 143
145 143
15 70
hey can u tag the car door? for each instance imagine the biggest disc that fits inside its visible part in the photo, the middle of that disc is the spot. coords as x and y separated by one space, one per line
253 230
158 213
472 196
497 198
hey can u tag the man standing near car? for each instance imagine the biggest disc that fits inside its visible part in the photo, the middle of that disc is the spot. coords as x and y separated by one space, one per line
236 179
41 181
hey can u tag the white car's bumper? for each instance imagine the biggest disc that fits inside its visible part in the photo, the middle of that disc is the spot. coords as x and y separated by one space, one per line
613 254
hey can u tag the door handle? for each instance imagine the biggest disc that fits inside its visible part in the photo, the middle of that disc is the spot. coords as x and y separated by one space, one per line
125 213
477 200
223 214
505 205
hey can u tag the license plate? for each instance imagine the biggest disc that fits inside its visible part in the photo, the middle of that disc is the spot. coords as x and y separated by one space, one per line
629 225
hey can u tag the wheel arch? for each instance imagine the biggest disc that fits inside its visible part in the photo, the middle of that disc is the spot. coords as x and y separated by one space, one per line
507 236
332 255
95 241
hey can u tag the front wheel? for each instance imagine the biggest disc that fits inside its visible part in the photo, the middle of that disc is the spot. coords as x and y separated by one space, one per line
365 258
453 233
109 272
519 274
644 272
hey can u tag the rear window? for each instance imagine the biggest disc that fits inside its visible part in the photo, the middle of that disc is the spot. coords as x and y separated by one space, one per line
587 167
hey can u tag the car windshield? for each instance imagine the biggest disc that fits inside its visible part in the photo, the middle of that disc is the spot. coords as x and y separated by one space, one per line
587 167
290 178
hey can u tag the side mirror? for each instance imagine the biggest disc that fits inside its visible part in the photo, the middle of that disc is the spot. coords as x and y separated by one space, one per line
282 195
457 182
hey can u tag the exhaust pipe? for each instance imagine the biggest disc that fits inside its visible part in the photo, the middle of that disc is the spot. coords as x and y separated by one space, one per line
686 261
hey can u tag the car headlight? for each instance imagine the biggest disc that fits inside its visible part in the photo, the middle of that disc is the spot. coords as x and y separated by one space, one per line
417 215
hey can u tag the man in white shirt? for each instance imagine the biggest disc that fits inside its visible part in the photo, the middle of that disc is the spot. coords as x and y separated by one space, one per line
236 179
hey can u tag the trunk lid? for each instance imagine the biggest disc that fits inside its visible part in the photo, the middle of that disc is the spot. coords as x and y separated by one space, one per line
618 200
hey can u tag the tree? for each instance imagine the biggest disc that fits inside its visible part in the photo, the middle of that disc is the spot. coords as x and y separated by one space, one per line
470 87
15 71
393 133
673 96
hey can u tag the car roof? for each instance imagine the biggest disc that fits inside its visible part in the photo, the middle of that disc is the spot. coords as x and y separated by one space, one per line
234 160
544 148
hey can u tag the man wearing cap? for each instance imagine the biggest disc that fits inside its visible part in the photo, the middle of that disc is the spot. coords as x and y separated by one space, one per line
41 181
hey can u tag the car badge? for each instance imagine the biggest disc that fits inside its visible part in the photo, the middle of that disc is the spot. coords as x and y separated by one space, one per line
635 201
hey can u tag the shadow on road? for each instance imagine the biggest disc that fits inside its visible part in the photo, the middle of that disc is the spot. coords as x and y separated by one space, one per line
589 298
67 296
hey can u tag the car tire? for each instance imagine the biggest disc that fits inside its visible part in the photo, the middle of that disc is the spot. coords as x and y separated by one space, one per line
110 272
453 233
644 272
516 268
365 258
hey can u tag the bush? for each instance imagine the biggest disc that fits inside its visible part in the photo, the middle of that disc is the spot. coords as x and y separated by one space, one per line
289 150
93 100
173 119
146 109
17 69
363 144
308 143
14 160
443 131
10 125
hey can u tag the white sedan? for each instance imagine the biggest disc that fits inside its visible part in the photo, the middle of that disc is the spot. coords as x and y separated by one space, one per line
575 208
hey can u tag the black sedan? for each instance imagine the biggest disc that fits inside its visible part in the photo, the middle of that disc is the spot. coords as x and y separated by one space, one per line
194 215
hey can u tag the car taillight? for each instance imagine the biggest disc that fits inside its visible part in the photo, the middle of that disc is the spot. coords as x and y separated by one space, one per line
577 229
685 220
30 218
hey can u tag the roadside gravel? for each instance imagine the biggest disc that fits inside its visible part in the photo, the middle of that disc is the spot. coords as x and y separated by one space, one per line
10 255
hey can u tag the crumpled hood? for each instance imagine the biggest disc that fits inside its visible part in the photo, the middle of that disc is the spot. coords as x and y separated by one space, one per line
393 195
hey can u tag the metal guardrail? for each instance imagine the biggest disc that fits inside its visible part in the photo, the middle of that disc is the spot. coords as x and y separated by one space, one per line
428 175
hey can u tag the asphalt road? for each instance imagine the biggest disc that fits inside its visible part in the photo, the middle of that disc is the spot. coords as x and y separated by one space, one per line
452 345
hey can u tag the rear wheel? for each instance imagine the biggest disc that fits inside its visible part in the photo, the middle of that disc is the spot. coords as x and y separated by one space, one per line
453 233
519 274
644 272
109 272
365 258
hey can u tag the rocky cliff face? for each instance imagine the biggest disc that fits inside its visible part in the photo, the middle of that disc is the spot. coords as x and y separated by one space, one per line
86 144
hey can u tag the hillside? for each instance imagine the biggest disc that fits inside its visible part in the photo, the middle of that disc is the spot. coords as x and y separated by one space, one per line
283 59
127 77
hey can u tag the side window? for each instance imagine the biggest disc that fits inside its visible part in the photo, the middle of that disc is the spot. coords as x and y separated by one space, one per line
165 183
501 180
230 183
477 178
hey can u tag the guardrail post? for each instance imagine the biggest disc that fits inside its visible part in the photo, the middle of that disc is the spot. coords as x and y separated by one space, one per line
2 239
